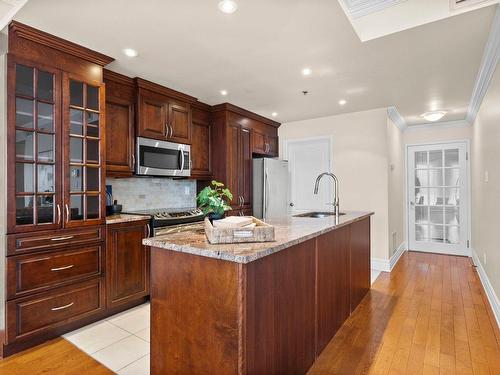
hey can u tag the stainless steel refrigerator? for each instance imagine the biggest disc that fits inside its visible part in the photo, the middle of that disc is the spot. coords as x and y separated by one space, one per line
270 188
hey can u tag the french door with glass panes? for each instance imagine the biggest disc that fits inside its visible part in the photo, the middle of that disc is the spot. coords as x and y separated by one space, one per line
56 139
438 198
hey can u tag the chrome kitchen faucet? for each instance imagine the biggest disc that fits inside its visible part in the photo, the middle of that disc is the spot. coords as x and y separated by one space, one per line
336 207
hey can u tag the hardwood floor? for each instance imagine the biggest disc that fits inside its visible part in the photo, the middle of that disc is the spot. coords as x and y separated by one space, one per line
56 357
429 316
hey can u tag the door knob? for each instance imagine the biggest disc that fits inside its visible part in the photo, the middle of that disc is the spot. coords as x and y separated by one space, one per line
291 204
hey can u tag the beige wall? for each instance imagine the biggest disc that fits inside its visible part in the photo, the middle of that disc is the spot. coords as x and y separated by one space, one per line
360 159
486 195
432 135
396 186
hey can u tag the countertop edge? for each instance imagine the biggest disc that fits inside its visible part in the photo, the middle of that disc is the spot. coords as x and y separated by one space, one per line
125 218
244 259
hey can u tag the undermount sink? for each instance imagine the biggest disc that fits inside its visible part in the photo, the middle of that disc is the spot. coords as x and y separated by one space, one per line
318 214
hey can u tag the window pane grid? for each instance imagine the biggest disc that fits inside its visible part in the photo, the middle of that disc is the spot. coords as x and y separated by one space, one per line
85 161
35 125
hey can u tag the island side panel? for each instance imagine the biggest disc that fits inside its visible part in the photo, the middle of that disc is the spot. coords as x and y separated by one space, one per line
360 261
194 314
333 284
280 311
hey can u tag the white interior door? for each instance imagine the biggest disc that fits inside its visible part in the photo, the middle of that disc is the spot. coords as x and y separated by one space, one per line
307 158
438 198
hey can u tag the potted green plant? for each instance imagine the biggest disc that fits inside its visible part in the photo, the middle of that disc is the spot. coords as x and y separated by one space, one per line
213 200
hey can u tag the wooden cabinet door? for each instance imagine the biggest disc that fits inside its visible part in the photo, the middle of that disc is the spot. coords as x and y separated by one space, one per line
245 169
201 150
333 284
272 148
360 261
120 141
179 121
127 263
233 164
84 152
258 143
34 147
152 115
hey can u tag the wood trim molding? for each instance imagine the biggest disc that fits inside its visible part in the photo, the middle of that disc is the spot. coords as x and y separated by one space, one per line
148 85
201 105
489 62
488 287
30 33
243 112
396 118
117 77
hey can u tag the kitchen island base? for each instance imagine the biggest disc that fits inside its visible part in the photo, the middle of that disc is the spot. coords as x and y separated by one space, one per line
271 316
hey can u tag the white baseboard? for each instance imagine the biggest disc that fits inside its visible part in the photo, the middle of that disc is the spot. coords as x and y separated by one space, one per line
490 292
386 265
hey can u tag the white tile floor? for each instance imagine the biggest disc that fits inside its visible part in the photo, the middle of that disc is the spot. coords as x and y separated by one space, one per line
121 342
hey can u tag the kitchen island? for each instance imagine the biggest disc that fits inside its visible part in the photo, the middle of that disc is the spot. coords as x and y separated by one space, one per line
256 308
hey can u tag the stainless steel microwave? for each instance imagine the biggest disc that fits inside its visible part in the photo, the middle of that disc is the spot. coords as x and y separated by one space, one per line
160 158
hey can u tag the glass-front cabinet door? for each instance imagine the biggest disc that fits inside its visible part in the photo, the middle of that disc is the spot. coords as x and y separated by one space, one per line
34 135
83 152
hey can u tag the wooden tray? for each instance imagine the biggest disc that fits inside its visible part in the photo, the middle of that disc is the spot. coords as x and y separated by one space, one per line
262 232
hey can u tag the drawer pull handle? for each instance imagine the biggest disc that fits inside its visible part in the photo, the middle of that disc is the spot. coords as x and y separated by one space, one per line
62 307
62 268
62 238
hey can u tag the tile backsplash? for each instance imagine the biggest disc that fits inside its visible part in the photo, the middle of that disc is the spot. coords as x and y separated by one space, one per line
142 193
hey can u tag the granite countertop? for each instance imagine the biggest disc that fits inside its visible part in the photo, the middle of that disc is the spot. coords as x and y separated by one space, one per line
288 232
125 218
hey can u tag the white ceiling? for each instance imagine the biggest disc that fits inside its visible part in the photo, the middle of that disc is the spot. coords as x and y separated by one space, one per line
257 53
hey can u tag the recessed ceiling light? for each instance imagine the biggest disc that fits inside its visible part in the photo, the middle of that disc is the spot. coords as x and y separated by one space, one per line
342 102
433 116
130 52
306 71
223 92
274 114
228 6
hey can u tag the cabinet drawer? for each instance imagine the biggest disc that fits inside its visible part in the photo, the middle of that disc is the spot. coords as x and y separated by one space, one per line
37 314
37 272
47 240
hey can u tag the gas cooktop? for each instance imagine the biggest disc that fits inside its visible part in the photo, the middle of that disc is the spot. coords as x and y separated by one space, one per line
162 217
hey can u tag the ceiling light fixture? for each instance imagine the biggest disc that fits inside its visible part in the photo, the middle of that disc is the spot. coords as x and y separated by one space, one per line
306 71
228 6
274 114
223 92
130 52
433 115
342 102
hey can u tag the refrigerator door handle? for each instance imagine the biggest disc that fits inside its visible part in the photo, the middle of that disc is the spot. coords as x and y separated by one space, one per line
266 193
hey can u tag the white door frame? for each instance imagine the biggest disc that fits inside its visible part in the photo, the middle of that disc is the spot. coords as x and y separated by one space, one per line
469 193
289 141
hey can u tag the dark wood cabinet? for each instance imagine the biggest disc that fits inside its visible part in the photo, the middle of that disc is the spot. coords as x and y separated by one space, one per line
333 283
201 146
120 125
234 142
265 141
162 113
127 263
360 261
56 171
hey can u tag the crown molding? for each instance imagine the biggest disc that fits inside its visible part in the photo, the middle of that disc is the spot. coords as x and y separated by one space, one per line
396 118
489 62
109 75
439 124
243 112
41 37
151 86
361 8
